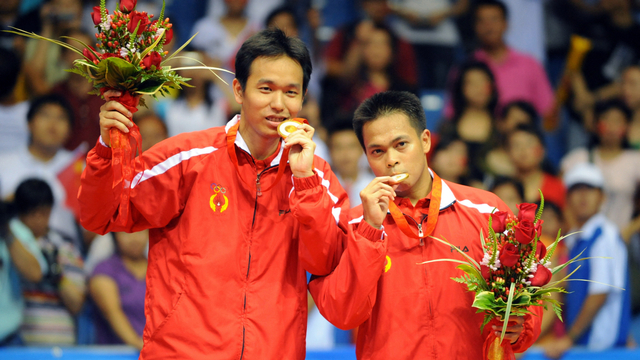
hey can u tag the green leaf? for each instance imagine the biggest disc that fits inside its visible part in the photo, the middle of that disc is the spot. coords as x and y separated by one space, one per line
149 88
118 71
558 310
507 311
539 213
487 318
469 258
485 300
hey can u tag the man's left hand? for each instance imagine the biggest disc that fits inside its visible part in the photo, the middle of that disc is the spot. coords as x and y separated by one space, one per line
301 150
515 327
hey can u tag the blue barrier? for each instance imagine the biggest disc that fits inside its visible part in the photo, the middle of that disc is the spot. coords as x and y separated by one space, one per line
343 353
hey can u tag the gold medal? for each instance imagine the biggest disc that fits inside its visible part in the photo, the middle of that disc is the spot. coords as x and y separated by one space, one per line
398 178
287 127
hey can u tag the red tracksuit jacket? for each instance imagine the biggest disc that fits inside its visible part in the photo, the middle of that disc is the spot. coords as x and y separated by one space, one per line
226 276
406 310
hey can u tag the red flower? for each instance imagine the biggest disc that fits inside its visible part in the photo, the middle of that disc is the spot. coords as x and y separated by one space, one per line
525 231
154 59
88 54
138 17
96 16
484 270
126 6
168 35
539 227
499 221
541 250
509 255
541 277
108 55
527 211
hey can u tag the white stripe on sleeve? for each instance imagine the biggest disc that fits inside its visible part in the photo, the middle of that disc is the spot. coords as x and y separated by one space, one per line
172 161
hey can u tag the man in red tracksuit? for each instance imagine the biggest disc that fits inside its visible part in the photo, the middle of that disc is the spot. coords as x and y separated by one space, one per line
407 310
228 252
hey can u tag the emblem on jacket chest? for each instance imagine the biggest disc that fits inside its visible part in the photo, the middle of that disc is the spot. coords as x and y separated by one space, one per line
218 201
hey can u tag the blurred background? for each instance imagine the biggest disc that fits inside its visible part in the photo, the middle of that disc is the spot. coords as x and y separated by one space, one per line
517 94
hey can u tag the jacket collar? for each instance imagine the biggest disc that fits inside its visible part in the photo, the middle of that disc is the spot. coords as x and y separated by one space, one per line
243 144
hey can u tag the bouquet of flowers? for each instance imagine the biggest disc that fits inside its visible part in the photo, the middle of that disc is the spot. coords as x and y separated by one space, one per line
129 57
514 274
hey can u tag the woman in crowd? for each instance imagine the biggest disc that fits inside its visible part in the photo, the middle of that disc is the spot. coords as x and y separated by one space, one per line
475 98
609 151
117 286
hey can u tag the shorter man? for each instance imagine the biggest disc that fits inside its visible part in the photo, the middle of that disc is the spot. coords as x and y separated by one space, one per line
597 313
405 310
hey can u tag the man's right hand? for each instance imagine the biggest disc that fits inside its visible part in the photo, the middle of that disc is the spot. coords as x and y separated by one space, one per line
375 200
113 114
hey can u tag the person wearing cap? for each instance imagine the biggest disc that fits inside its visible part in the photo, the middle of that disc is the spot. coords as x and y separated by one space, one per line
597 313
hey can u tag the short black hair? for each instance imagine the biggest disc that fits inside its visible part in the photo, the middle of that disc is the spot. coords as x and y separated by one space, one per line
525 106
9 71
32 194
39 102
604 106
506 180
499 4
272 43
387 103
459 100
555 208
285 9
531 130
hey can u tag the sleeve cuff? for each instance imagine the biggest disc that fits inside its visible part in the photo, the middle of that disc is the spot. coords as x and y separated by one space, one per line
369 232
306 183
102 149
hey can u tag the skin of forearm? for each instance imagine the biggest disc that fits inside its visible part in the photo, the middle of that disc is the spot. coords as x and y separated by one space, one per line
72 296
35 67
105 293
25 262
589 310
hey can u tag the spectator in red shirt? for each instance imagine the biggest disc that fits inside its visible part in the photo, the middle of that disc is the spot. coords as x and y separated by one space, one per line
526 148
345 52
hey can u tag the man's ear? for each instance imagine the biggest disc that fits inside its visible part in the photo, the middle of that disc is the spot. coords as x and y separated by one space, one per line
426 141
238 92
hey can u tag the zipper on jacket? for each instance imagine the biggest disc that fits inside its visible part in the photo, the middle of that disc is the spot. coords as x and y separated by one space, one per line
242 352
253 221
419 225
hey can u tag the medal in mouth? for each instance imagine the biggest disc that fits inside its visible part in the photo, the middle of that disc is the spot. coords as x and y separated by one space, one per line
398 178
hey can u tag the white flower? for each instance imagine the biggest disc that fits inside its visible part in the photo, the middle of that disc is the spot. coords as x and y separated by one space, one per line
105 25
123 52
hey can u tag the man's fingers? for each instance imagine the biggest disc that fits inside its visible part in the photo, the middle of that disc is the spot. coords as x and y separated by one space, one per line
108 124
115 116
109 94
116 106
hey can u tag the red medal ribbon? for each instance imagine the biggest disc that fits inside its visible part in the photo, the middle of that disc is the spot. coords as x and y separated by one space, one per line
124 149
492 349
231 139
432 215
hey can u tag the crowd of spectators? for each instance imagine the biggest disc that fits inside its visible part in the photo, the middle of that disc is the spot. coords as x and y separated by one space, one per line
498 68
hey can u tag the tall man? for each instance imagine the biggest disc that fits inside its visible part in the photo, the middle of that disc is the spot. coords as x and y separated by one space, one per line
227 252
405 310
